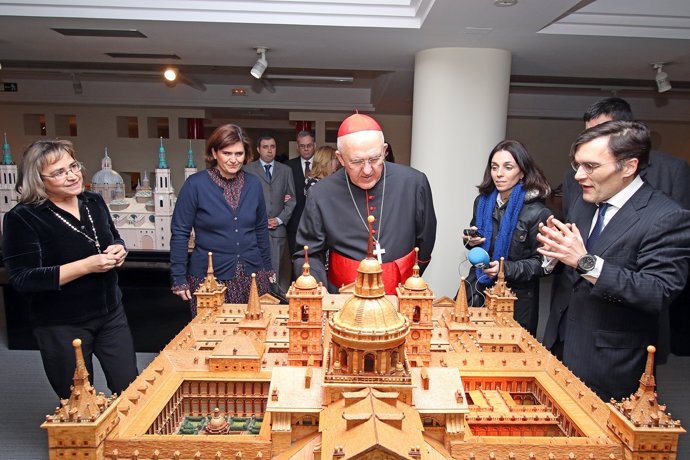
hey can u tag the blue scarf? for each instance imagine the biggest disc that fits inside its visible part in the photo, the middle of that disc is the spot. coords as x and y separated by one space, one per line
484 221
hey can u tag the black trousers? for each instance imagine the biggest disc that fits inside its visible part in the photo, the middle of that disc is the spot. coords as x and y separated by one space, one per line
107 337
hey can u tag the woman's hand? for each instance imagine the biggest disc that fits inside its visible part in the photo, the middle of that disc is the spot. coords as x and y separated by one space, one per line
492 270
184 294
118 251
101 263
473 240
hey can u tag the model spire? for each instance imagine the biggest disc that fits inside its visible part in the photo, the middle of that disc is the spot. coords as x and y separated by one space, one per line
190 157
370 244
106 162
6 153
461 312
83 404
210 283
253 304
642 408
162 161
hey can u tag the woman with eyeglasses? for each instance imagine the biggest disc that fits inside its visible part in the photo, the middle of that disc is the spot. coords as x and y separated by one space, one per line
61 249
225 207
505 223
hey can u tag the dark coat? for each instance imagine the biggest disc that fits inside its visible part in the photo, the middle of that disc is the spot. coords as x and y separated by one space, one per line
36 243
646 249
523 265
295 165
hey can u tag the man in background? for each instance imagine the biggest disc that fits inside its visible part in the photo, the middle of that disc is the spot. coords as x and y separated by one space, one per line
334 223
300 168
279 194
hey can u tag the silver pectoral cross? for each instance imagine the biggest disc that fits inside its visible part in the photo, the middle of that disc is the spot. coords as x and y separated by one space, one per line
378 252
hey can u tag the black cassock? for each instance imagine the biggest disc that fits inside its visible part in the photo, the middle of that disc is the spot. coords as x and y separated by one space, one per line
404 213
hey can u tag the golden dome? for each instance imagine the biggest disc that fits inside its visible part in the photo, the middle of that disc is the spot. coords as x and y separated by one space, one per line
415 283
306 280
369 324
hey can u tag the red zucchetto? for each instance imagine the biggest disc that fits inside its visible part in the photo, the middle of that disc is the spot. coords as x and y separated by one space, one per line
356 123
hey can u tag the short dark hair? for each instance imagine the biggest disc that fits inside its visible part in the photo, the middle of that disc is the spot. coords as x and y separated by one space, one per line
222 137
614 107
627 139
265 137
533 179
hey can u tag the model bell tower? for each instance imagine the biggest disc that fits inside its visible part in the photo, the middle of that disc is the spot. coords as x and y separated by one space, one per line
500 300
415 300
8 181
163 195
305 323
211 293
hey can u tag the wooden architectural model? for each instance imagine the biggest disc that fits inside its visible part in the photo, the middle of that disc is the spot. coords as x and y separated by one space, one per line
361 376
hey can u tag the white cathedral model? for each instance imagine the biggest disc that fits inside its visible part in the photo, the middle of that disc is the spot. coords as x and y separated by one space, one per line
142 220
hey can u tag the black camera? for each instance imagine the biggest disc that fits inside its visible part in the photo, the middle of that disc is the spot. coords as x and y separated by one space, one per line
472 232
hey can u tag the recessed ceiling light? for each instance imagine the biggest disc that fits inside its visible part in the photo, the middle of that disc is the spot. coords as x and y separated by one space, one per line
239 92
505 2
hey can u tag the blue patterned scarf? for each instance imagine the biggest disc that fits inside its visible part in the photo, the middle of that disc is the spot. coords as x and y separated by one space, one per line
484 221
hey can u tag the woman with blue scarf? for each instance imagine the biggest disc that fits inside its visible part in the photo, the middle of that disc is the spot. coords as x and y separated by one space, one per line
507 214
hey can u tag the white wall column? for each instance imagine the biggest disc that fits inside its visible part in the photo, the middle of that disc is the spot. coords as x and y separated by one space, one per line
459 115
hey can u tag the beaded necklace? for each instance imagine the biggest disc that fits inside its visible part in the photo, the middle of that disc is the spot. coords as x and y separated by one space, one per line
379 251
93 240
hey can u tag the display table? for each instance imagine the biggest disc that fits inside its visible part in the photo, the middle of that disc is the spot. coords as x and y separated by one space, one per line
155 314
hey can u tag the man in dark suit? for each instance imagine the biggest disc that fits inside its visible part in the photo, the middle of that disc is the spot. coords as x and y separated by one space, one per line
279 194
300 167
664 172
633 264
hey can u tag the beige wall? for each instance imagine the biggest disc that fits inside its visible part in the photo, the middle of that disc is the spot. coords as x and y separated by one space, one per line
96 130
548 140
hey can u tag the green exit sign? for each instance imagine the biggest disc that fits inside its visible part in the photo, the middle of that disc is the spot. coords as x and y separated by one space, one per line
10 87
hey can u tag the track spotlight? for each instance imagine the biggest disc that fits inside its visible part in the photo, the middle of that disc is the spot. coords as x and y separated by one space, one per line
170 74
662 82
261 63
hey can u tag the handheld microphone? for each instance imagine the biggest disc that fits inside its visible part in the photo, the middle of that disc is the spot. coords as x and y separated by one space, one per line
478 257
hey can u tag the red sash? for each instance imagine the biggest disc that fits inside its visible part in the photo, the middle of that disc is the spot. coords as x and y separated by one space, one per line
343 270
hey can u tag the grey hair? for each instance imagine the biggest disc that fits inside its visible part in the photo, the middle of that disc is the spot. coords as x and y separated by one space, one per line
36 156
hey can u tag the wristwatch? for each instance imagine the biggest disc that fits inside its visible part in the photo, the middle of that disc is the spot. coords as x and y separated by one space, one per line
586 263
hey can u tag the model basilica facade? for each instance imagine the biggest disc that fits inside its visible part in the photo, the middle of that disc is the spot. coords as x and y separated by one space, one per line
143 220
358 376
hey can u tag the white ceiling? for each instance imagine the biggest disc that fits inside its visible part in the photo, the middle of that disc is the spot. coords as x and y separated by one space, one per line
556 45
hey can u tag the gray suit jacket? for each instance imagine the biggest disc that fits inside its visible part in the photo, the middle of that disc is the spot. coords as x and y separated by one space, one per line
281 184
646 249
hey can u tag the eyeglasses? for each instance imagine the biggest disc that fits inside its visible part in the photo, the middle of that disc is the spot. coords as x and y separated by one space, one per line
588 167
359 162
305 146
61 174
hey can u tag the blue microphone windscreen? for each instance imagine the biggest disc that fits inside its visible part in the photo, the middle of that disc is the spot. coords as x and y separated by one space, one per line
478 257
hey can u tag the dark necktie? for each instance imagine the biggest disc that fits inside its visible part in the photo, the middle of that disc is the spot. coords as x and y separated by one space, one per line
598 227
307 169
268 172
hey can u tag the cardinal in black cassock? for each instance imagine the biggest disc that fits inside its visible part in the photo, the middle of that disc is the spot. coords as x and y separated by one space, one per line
334 222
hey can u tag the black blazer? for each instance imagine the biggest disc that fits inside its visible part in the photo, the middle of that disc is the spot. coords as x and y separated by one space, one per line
295 165
646 248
